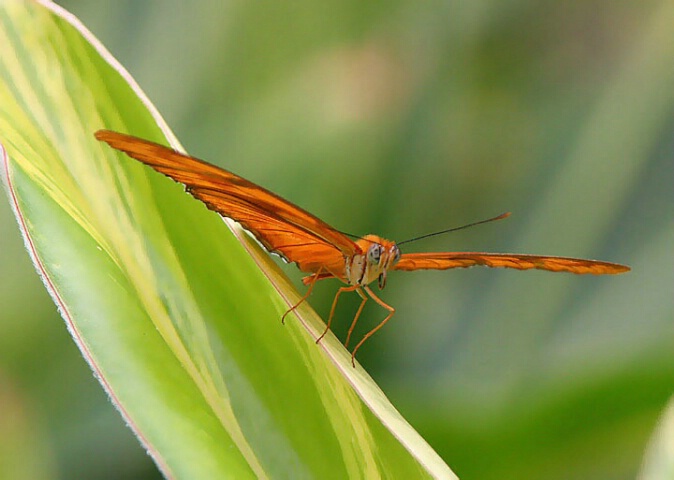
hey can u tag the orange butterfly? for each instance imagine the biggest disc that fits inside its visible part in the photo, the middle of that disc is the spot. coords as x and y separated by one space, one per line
316 247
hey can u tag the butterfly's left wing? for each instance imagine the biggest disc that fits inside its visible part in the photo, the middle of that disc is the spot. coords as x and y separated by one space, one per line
447 260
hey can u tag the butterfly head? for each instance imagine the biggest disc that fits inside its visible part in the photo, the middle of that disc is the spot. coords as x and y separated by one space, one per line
378 255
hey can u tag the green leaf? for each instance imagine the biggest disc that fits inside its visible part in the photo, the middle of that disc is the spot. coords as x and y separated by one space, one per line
178 318
659 458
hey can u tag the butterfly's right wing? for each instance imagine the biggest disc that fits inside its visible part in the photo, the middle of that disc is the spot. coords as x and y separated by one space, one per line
280 226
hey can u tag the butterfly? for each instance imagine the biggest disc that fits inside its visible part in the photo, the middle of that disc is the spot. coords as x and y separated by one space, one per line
317 248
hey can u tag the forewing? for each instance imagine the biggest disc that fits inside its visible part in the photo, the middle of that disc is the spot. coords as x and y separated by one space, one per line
446 260
282 227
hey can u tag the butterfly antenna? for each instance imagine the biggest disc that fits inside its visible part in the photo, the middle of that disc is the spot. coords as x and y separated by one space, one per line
499 217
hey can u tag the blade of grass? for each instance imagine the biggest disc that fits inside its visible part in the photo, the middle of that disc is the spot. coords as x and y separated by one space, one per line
178 322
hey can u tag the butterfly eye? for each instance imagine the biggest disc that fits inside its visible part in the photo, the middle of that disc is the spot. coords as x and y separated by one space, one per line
374 254
396 254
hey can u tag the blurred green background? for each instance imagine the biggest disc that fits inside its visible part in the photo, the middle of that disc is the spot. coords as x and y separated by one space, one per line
402 118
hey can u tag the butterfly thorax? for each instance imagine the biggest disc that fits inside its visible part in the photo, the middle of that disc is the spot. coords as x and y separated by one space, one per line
378 255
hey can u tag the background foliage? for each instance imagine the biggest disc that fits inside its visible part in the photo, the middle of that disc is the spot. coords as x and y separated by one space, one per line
401 118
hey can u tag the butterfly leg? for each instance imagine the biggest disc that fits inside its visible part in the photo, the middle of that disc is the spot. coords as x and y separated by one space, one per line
355 319
332 310
381 324
306 295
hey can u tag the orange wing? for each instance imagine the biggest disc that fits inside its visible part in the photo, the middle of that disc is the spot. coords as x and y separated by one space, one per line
280 226
446 260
